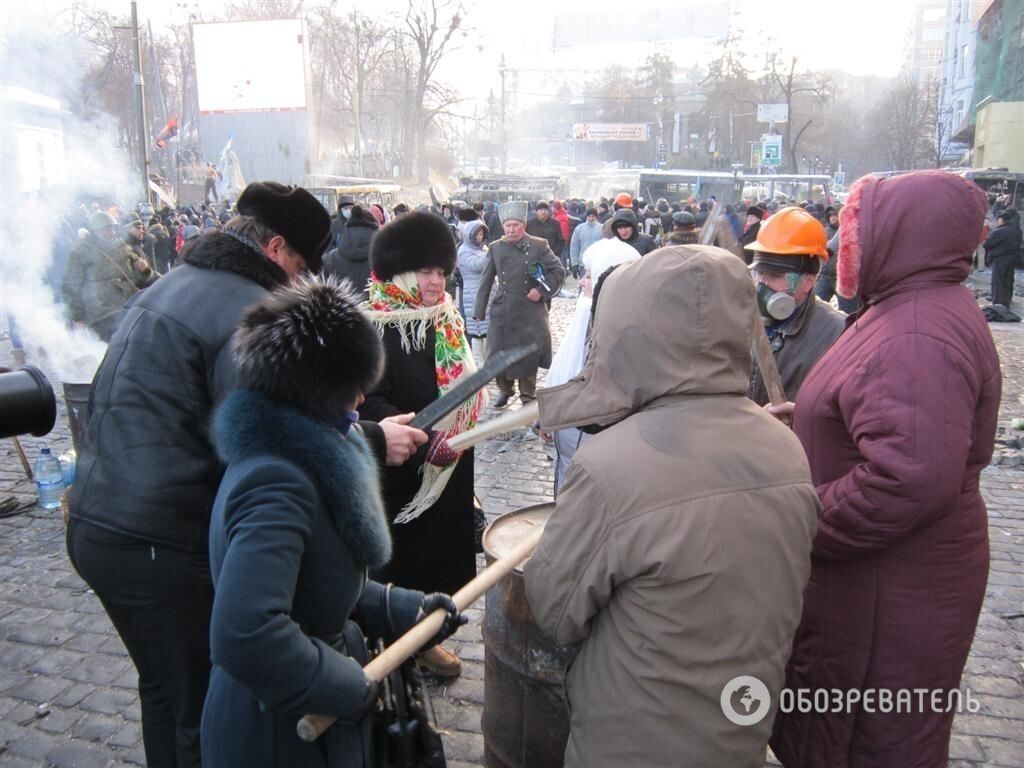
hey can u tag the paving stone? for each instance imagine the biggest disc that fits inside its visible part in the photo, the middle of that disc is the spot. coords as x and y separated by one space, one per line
86 641
54 662
39 635
963 747
108 702
102 670
95 727
1004 752
465 746
59 720
74 695
11 761
79 755
128 736
33 744
994 686
40 689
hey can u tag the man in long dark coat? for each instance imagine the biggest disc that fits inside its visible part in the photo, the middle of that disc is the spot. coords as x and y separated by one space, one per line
529 274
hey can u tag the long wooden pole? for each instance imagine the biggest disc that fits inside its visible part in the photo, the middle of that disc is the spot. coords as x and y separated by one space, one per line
488 429
310 727
762 352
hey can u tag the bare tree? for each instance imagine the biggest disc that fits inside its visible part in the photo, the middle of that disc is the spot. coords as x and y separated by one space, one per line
904 125
430 28
731 99
802 92
252 10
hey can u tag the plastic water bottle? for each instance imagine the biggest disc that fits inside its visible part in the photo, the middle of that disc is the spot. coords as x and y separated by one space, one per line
49 480
68 461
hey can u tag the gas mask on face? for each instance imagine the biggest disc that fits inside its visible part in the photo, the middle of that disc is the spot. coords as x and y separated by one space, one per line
346 212
775 305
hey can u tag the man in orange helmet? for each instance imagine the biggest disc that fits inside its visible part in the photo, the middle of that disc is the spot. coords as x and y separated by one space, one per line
789 250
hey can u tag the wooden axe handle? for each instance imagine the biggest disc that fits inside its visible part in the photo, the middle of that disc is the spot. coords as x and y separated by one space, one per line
310 727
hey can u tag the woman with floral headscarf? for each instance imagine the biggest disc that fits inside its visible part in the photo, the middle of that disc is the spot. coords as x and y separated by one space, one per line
429 499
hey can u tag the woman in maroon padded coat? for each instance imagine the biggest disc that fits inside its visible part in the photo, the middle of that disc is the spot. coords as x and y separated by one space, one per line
898 419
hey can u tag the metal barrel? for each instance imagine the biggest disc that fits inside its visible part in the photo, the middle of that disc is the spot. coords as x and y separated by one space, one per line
76 397
27 404
526 719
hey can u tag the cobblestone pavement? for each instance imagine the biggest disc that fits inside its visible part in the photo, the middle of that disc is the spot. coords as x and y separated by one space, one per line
67 687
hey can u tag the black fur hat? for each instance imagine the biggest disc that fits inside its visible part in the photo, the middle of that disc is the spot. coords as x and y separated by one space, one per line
293 213
467 214
411 242
309 345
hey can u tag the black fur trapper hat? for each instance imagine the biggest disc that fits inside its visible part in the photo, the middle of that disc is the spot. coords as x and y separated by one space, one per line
309 345
293 213
467 214
414 241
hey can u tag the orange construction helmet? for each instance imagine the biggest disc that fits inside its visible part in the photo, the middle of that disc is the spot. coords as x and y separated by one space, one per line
624 200
792 231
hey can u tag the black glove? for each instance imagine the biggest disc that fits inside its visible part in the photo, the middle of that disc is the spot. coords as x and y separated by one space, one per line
452 621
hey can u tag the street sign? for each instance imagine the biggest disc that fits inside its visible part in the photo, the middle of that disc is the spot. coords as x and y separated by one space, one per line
771 149
772 113
755 155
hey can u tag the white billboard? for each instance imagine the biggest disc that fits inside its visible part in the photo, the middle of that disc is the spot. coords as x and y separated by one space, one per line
772 113
246 66
610 132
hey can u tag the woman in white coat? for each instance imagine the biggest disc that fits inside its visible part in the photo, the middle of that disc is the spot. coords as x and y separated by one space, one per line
568 361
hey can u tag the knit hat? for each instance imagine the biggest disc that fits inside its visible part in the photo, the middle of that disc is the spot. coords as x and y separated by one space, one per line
291 212
414 241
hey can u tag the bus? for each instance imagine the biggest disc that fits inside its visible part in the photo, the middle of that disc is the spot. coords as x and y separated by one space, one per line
499 188
787 187
676 185
329 189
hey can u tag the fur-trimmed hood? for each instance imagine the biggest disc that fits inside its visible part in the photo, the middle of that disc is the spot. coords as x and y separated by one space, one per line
217 250
889 242
342 468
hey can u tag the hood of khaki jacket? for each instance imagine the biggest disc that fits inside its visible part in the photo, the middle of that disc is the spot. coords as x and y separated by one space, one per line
676 322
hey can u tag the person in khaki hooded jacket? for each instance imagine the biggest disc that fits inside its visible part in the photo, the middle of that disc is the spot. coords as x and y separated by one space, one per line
679 548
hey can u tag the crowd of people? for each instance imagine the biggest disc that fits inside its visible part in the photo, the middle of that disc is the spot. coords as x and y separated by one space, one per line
265 360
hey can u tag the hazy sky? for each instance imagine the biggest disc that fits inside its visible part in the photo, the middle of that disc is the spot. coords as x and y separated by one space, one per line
866 37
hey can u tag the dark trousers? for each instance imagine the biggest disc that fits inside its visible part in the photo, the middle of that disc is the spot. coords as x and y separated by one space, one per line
527 387
159 600
1002 280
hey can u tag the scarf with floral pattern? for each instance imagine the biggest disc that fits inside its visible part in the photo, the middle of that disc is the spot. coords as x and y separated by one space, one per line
396 303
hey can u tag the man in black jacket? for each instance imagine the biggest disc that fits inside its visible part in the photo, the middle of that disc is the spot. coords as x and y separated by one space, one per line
140 508
351 258
1002 249
542 225
625 228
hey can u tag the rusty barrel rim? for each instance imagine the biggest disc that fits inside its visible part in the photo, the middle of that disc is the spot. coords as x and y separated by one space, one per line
489 552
